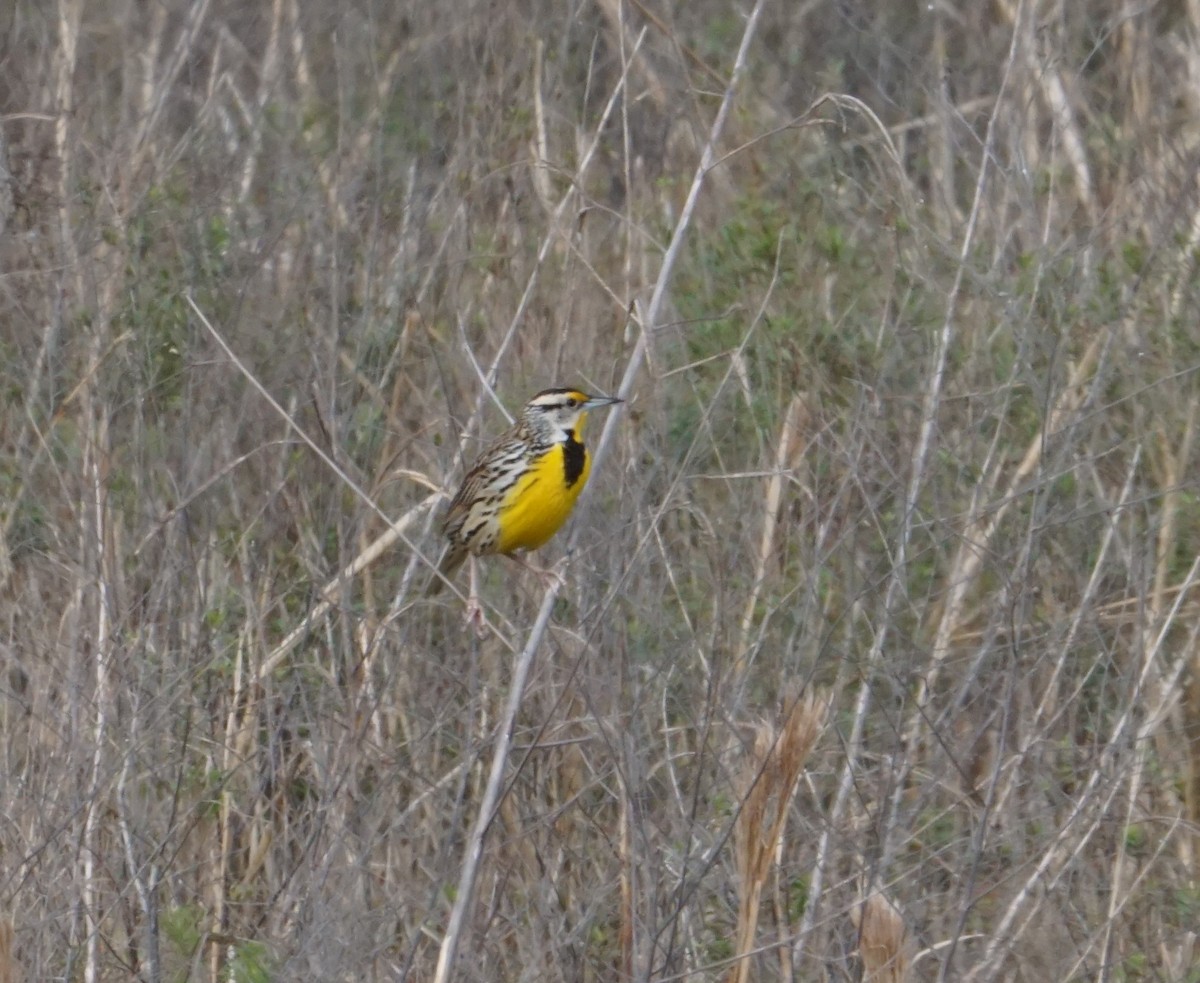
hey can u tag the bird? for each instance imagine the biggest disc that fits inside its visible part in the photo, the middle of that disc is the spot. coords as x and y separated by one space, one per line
523 487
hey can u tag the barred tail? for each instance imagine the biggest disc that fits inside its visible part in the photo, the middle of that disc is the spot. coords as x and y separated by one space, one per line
452 559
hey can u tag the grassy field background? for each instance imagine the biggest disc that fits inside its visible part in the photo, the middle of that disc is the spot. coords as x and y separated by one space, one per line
876 656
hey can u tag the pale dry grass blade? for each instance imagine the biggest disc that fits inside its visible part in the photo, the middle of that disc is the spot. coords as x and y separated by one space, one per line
945 210
10 969
156 89
789 448
628 936
540 150
268 74
1040 56
96 543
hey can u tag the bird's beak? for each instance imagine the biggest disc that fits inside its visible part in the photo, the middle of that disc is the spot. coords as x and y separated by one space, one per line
594 402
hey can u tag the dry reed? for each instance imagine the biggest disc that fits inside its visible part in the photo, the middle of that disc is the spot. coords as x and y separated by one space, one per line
766 781
882 940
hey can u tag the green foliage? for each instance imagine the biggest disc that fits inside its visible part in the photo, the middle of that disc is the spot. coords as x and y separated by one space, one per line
1184 904
183 928
721 36
29 527
1135 966
168 252
1135 839
1134 255
718 949
723 807
797 898
1186 545
252 962
760 247
603 943
938 829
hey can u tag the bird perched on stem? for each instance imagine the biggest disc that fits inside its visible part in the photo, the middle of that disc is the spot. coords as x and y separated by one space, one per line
523 487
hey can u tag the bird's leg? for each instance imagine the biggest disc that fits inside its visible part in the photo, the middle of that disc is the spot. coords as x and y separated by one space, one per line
474 613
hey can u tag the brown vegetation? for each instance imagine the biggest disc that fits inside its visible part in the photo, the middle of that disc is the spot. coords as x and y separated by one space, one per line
906 318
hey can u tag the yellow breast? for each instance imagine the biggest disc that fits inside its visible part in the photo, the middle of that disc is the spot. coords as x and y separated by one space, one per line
538 504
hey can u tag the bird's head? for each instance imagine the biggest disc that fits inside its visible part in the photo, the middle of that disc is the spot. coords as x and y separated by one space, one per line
558 412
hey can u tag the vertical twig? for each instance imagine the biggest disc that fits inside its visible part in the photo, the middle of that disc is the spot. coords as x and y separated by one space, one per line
69 13
144 877
96 549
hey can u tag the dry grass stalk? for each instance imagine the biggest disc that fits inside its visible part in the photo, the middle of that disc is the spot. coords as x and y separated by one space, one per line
766 783
788 452
882 940
625 931
10 970
1175 462
1053 91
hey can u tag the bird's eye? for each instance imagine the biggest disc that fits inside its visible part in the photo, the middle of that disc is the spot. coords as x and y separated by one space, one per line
572 402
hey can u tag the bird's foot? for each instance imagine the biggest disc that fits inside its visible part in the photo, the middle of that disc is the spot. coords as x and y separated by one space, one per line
475 619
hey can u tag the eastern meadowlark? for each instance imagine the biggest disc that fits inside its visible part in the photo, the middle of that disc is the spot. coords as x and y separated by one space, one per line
523 487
